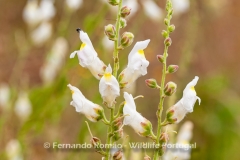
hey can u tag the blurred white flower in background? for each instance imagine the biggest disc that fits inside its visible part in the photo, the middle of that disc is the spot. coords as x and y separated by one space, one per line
4 95
183 138
42 33
47 10
54 61
23 106
13 150
74 4
180 6
152 10
108 45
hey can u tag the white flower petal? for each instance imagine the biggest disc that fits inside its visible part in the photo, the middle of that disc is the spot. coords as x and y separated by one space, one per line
72 55
74 4
141 45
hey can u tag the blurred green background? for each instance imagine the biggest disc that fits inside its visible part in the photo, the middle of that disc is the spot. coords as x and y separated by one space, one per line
206 43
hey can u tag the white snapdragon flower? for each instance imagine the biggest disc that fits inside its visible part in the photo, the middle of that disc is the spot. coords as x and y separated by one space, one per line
74 4
88 57
109 87
54 60
185 105
152 10
23 106
141 125
91 110
137 65
14 150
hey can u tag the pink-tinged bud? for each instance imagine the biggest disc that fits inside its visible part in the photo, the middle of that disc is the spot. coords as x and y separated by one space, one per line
146 157
160 58
152 83
164 34
113 2
126 39
172 68
125 11
117 123
110 31
118 155
170 88
164 138
168 42
95 142
123 23
171 28
169 116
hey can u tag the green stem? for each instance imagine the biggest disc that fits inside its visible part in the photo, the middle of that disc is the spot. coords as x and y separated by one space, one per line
160 105
115 70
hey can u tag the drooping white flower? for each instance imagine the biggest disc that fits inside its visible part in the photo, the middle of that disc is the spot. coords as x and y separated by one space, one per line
13 150
4 95
183 139
109 87
23 106
91 110
180 6
141 125
88 57
185 105
137 65
42 33
74 4
152 10
54 60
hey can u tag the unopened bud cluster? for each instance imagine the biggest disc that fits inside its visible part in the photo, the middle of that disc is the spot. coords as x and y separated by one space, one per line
110 31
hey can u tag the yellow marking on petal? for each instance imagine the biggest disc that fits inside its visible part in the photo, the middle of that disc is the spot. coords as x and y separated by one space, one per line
72 91
107 76
192 88
141 52
124 102
82 46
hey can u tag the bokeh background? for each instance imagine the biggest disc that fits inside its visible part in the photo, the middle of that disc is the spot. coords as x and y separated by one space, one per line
37 37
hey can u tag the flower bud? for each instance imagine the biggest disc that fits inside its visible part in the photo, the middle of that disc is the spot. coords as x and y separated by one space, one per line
123 23
152 83
172 68
164 34
168 42
160 58
170 88
125 11
171 28
166 22
117 123
147 127
169 116
110 31
113 2
118 155
164 138
126 39
95 142
117 135
146 157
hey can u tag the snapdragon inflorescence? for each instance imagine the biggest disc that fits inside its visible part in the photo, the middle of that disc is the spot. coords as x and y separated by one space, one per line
110 83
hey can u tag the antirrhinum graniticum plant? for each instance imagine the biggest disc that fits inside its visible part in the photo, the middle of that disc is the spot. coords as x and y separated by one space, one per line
110 83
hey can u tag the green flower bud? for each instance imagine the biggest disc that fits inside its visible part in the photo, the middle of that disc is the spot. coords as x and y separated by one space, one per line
169 116
123 23
166 22
160 58
110 31
171 28
152 83
113 2
126 39
118 135
170 88
164 34
125 11
147 126
172 68
168 42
